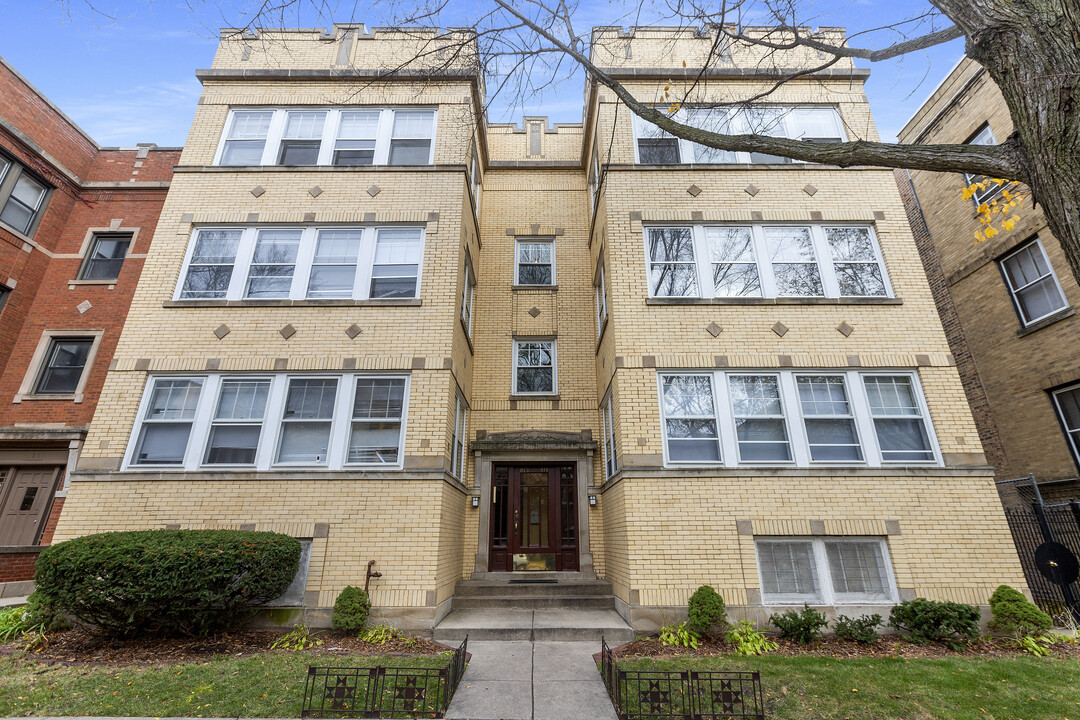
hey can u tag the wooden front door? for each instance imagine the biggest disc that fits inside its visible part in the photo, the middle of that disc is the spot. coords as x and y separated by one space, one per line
25 497
533 518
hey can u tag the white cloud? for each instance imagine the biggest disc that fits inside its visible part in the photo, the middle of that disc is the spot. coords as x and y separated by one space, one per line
159 112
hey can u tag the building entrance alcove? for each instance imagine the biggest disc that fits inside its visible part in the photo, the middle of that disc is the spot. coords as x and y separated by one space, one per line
533 500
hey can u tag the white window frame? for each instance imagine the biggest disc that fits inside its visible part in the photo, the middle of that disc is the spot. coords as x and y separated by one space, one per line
737 124
272 146
601 299
984 136
476 179
271 428
468 295
518 242
766 277
554 368
795 420
826 594
245 251
607 425
458 437
1014 291
1074 445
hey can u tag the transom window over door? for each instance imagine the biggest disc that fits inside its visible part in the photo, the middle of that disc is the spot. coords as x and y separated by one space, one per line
728 261
295 263
1031 281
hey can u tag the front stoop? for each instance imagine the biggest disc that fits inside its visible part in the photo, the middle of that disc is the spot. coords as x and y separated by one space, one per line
567 610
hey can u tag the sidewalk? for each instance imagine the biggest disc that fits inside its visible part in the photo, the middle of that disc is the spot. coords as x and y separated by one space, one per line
524 680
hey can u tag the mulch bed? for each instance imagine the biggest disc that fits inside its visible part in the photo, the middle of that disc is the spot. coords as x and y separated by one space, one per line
830 646
78 646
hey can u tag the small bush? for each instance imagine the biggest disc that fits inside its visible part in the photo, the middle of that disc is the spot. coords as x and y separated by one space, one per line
187 582
381 634
951 624
707 613
679 635
1015 615
802 627
748 640
862 629
12 623
351 610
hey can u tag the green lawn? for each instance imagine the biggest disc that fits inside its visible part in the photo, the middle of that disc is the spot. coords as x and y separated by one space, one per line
956 688
268 685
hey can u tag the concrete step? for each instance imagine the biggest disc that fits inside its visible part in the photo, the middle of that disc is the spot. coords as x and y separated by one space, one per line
528 602
558 625
510 589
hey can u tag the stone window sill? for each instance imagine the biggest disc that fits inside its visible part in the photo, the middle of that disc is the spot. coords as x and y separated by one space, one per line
93 282
1045 322
395 302
526 288
773 301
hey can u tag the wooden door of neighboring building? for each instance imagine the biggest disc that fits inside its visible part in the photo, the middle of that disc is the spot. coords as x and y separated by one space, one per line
24 501
533 518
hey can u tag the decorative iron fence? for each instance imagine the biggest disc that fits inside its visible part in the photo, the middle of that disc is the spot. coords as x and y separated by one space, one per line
383 692
1063 521
681 694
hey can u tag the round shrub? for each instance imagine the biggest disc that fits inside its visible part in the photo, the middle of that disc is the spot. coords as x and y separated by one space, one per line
351 610
948 623
177 582
1015 615
862 629
802 627
706 612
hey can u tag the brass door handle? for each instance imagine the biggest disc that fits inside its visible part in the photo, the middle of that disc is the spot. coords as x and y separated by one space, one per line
516 512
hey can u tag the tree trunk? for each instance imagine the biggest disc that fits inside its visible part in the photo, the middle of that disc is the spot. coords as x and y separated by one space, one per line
1031 48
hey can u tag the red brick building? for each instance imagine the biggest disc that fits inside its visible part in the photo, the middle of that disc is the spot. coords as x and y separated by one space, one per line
76 221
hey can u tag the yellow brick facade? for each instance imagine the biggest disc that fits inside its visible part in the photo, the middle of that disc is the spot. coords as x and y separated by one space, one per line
655 532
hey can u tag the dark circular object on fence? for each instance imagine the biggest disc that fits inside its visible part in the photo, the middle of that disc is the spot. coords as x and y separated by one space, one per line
1057 563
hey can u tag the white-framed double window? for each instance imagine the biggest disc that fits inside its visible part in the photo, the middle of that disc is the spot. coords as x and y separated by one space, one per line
829 570
351 135
799 418
809 123
607 422
1032 283
302 262
534 261
457 438
268 421
721 261
535 368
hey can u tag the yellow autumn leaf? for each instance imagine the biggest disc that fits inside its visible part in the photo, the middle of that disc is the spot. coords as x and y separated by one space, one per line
979 236
1007 224
991 232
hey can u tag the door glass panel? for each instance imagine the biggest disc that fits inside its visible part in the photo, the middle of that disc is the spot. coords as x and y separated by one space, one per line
534 509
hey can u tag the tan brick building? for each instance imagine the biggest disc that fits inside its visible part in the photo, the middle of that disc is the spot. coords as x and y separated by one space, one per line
375 322
1007 302
76 221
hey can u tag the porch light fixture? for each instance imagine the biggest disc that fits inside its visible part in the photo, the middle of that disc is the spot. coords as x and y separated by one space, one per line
476 501
592 500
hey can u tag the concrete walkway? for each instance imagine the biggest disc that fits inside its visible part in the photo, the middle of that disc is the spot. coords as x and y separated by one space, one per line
521 680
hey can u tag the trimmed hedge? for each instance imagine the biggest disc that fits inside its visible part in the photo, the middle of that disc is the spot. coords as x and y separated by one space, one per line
185 582
949 623
1015 614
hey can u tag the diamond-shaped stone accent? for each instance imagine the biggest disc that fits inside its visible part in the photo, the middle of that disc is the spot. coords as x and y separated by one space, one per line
752 190
714 329
222 331
353 330
288 331
810 190
374 190
83 306
694 190
780 329
315 191
534 311
258 190
845 329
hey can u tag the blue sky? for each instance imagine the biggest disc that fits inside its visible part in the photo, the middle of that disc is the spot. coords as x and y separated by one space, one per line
130 78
